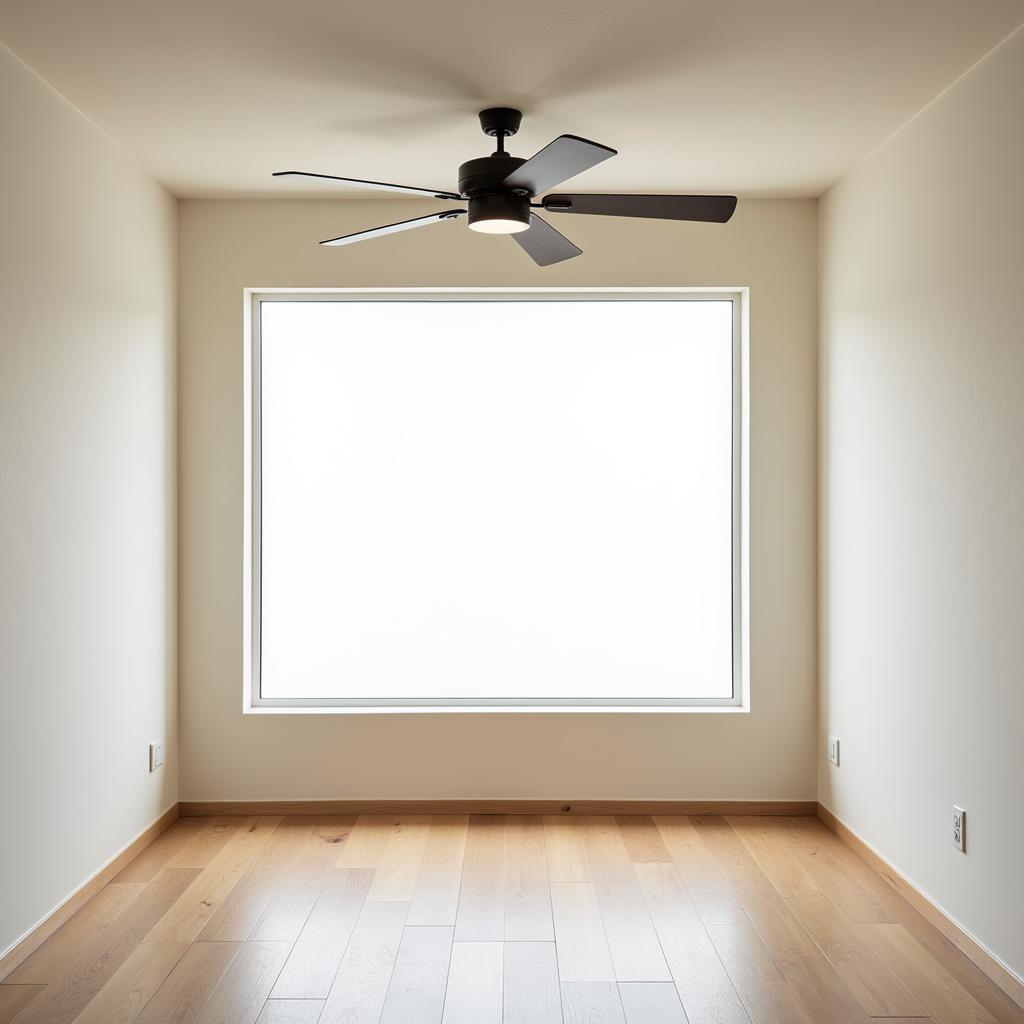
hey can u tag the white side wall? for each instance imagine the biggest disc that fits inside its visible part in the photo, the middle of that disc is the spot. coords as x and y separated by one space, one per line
922 498
225 246
87 498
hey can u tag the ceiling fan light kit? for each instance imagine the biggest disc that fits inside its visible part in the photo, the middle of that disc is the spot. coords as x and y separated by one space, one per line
499 192
499 214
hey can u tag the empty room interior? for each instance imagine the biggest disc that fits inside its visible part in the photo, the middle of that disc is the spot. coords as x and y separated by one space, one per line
618 622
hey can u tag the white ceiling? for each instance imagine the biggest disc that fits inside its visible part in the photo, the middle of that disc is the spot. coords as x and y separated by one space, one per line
760 97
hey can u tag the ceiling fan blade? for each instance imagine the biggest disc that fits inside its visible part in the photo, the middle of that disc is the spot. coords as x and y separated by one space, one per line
390 229
564 158
713 209
544 244
382 186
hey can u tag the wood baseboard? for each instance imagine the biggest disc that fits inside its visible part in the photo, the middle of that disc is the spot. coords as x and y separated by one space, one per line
29 943
931 912
205 808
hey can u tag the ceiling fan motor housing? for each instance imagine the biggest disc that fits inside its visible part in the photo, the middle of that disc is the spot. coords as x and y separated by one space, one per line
481 180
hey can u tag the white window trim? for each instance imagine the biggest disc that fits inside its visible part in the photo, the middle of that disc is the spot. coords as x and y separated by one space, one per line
253 703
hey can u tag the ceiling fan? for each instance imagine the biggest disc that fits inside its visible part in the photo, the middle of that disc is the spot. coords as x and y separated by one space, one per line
499 190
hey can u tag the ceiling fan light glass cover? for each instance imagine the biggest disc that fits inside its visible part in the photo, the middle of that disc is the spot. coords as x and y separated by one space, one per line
499 214
499 226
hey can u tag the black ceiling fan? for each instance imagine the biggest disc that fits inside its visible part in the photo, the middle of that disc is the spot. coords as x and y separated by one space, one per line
498 191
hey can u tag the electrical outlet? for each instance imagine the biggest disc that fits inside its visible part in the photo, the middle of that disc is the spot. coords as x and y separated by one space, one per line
156 755
833 750
959 825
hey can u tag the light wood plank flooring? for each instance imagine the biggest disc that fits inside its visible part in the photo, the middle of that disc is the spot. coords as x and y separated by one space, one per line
518 919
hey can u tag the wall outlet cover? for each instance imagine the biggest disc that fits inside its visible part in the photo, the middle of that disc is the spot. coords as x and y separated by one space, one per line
959 828
833 750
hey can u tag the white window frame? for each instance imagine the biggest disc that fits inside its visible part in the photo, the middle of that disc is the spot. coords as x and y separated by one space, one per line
253 703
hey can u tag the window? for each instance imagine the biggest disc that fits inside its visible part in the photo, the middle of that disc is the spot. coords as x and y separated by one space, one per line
495 499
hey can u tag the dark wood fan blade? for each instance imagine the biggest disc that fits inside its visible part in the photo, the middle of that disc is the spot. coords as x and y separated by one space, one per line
714 209
382 186
564 158
402 225
544 244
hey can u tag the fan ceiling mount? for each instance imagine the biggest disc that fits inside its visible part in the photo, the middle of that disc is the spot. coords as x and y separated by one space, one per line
499 192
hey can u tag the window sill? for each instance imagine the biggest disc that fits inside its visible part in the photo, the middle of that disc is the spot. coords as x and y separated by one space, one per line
542 709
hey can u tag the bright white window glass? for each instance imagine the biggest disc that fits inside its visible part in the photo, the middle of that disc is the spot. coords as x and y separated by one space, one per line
496 501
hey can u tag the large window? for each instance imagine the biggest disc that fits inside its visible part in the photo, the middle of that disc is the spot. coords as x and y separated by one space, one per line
495 500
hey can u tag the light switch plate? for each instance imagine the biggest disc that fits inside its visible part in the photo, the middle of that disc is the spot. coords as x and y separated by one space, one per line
156 755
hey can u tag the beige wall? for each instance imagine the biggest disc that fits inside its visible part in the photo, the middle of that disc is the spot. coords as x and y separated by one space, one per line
225 246
922 498
87 524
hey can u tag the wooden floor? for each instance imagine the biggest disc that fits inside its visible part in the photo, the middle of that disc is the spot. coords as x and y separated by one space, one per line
492 918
